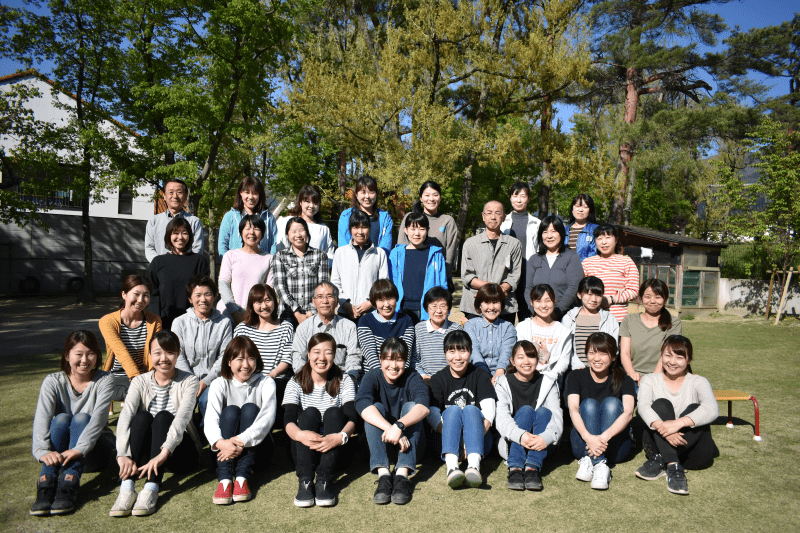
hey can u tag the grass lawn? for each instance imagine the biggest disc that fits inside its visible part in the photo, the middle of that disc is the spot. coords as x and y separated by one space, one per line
752 486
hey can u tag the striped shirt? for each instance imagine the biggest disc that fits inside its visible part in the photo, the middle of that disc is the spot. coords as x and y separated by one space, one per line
296 277
620 278
134 341
370 340
162 401
274 346
319 397
585 326
572 240
428 355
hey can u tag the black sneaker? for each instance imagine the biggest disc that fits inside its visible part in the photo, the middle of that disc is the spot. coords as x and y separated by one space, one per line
305 494
383 494
516 481
66 494
533 481
325 496
45 494
652 469
402 491
676 479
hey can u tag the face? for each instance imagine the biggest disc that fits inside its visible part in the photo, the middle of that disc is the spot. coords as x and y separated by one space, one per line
250 200
430 200
438 312
519 200
599 362
297 236
175 196
264 308
325 301
581 212
416 234
674 365
251 235
202 299
366 199
163 361
653 303
308 208
493 215
543 307
457 360
392 368
243 366
179 239
551 238
606 244
491 310
591 301
137 298
81 360
321 358
525 365
385 307
360 234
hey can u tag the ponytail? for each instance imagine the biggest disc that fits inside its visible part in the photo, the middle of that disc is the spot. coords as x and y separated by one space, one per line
617 376
417 207
664 319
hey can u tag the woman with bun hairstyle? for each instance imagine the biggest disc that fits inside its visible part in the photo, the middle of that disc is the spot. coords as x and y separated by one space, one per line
365 198
580 226
251 199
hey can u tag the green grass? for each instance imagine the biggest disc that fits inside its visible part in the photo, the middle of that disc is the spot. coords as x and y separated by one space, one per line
752 486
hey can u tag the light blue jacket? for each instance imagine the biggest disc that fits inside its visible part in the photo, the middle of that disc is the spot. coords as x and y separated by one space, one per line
585 246
435 273
229 238
380 234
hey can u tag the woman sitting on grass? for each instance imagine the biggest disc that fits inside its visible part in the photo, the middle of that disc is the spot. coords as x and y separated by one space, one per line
152 428
70 431
240 414
672 440
320 418
601 400
529 419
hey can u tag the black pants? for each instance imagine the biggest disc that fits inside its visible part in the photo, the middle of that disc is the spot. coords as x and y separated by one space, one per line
698 453
232 421
148 434
308 461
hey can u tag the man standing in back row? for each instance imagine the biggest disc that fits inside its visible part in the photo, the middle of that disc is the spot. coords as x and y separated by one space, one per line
175 195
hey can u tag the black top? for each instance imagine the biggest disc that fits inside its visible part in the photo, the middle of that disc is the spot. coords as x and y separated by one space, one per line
361 249
494 243
407 388
446 390
580 382
170 274
414 277
523 392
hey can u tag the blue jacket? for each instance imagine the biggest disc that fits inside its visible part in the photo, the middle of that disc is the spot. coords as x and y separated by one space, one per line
229 238
586 246
435 273
380 234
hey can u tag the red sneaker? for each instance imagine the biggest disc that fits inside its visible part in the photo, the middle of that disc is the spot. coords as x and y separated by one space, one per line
241 493
223 496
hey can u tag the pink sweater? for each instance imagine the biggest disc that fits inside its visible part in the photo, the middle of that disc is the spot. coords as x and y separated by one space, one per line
620 278
237 275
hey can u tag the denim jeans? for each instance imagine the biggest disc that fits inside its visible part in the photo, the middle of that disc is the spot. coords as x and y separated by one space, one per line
202 403
534 422
378 450
232 421
464 425
598 417
65 431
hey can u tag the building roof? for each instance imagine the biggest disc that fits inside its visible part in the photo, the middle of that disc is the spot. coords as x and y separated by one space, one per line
667 238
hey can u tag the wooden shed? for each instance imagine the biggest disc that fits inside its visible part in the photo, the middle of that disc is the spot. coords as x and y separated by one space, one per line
689 266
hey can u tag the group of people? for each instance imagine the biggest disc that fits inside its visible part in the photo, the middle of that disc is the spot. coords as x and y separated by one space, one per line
327 343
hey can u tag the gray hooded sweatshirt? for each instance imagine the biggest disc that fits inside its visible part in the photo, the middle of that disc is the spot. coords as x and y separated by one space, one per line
203 343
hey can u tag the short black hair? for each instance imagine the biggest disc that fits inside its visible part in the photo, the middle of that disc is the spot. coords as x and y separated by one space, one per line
175 180
591 285
435 294
489 292
200 280
359 218
256 221
587 199
177 224
519 186
297 220
457 340
383 289
168 341
394 346
417 218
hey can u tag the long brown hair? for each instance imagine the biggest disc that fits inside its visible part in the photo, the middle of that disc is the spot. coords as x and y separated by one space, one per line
303 378
605 343
679 345
309 193
659 288
80 336
251 185
257 294
243 346
134 281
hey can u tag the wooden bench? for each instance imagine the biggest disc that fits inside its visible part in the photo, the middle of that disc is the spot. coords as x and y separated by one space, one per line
731 396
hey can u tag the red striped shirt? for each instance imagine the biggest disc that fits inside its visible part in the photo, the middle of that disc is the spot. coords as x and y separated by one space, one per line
620 278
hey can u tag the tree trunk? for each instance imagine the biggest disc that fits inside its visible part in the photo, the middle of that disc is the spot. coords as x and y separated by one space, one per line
619 202
629 197
212 247
544 195
86 294
342 180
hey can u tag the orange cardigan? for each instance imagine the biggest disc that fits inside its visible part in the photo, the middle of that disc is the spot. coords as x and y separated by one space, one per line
110 327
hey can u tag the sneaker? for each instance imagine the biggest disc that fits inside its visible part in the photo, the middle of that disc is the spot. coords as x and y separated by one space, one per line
383 494
474 478
652 469
533 481
223 496
45 494
676 479
124 504
402 491
325 496
601 476
585 469
516 481
241 493
66 494
145 503
455 478
305 494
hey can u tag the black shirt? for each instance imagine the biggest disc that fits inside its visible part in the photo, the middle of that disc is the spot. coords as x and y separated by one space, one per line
446 390
580 382
523 392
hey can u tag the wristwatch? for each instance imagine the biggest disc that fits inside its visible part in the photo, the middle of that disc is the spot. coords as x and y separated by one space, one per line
345 437
400 426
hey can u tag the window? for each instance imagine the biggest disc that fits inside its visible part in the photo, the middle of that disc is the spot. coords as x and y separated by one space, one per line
125 205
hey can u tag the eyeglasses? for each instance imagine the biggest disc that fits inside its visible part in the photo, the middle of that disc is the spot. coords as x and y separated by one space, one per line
327 297
437 307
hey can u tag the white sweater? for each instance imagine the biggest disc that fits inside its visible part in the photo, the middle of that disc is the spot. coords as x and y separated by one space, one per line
354 279
258 390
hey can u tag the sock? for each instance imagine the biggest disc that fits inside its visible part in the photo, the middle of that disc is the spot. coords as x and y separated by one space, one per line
474 460
403 472
128 484
383 471
451 460
225 483
241 480
530 467
151 486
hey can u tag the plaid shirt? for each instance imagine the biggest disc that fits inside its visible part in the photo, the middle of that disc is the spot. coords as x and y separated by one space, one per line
296 277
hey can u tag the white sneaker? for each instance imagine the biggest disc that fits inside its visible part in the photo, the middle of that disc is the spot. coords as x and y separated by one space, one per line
585 469
124 503
145 503
601 476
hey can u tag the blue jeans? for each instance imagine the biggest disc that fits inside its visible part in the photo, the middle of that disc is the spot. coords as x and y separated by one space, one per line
202 403
378 450
598 417
232 421
65 431
535 422
464 425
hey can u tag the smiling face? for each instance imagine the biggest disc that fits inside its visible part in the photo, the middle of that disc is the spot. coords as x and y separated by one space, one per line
526 366
250 200
416 234
163 361
137 298
430 200
519 201
543 307
251 235
457 360
325 301
308 208
392 368
202 299
491 310
674 365
385 307
606 244
175 196
360 235
653 303
581 212
297 236
590 301
264 308
81 361
243 366
438 312
366 199
179 240
320 357
493 215
599 362
551 238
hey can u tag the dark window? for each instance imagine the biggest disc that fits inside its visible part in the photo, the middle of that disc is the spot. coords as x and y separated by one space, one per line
125 206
